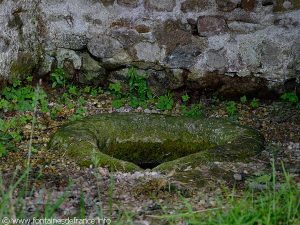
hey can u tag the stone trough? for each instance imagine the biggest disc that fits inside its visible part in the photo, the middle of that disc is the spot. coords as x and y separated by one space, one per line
132 142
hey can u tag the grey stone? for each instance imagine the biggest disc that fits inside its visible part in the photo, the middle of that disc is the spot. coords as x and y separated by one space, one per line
108 49
215 60
183 56
93 72
287 5
270 54
176 79
104 47
237 177
149 52
243 27
4 44
160 5
69 40
65 54
46 65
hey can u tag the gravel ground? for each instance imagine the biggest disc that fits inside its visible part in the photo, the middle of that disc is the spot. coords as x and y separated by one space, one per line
144 195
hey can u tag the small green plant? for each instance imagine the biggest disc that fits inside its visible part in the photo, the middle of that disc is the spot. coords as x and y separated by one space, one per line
22 99
16 83
96 91
165 102
139 91
5 105
243 99
134 102
231 108
80 112
254 103
86 89
56 110
73 90
116 89
58 78
195 111
12 127
185 98
3 150
117 103
41 100
29 79
6 144
289 97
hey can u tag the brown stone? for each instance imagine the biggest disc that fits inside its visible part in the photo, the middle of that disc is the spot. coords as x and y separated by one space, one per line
121 23
231 87
168 30
107 2
69 69
128 3
195 5
141 28
226 5
160 5
248 5
211 25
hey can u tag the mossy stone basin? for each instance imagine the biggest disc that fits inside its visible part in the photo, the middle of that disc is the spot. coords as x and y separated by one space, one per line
131 141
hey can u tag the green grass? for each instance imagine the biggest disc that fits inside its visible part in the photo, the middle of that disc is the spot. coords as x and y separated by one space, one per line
268 207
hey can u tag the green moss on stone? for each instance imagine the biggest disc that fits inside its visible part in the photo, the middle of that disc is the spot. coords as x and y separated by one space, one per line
23 66
127 141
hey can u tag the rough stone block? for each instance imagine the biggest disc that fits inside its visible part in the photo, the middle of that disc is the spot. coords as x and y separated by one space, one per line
128 3
160 5
211 25
226 5
195 5
248 5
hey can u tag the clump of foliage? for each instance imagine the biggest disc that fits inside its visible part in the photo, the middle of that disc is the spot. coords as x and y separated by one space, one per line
80 112
243 99
118 103
195 110
255 103
165 102
139 91
116 90
58 77
21 98
290 97
185 98
6 143
231 108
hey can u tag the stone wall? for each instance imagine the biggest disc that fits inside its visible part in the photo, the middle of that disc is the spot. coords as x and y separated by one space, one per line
230 45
